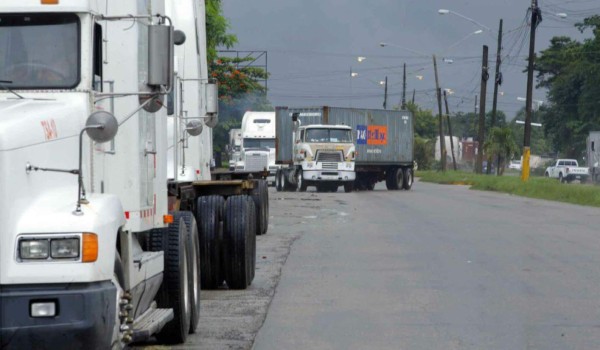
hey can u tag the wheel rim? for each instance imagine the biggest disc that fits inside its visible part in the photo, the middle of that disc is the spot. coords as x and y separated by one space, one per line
399 177
195 270
299 180
186 291
409 178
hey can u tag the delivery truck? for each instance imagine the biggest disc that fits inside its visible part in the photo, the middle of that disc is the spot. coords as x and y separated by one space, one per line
383 141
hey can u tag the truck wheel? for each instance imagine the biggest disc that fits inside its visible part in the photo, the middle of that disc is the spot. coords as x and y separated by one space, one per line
394 179
260 195
349 186
301 184
546 174
209 212
239 241
193 266
407 179
174 291
287 185
560 178
279 180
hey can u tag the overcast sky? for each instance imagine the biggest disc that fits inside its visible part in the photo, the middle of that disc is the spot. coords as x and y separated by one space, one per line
313 46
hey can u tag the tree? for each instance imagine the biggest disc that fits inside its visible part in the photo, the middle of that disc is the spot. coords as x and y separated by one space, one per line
425 122
570 70
239 89
500 143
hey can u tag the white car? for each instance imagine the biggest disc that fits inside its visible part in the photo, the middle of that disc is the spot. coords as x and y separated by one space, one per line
515 164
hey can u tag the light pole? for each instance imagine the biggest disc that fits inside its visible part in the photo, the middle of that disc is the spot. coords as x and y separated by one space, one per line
479 31
385 85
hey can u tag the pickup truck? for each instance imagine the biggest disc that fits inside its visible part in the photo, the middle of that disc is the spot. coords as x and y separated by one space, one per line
567 170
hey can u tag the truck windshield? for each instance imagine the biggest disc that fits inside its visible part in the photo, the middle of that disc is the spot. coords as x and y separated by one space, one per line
328 135
259 143
39 50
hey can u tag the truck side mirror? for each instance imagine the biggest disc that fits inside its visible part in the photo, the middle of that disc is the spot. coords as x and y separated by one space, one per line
160 56
194 127
101 126
212 104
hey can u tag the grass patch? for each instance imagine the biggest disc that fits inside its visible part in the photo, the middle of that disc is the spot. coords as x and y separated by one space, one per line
536 187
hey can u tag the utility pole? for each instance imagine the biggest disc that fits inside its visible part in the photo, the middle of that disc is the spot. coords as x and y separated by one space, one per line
498 77
385 95
450 131
481 134
536 14
497 81
440 119
413 99
404 88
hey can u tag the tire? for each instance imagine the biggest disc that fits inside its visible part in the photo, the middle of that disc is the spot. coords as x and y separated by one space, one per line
193 242
560 178
300 183
209 214
394 179
239 241
287 186
260 195
174 291
407 179
349 186
279 180
546 174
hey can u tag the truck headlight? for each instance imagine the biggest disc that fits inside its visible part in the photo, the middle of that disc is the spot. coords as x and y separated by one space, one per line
64 248
34 249
82 247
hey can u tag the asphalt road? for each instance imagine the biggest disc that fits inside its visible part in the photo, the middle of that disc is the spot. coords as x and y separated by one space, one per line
437 267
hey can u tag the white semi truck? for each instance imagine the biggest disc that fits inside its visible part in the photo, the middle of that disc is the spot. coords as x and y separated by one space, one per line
101 242
234 147
258 143
317 155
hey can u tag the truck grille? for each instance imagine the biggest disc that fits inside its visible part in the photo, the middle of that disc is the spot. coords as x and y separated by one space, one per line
256 162
332 166
329 157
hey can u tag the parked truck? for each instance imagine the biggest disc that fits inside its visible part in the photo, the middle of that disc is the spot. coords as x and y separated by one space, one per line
101 242
567 170
593 155
383 149
234 148
258 143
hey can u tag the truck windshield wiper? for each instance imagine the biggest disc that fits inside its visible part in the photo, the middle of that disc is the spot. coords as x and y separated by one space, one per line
3 86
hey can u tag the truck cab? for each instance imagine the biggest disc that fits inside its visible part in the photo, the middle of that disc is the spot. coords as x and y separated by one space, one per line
324 156
258 143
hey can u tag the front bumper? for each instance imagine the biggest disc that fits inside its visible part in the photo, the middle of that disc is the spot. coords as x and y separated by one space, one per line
85 316
328 175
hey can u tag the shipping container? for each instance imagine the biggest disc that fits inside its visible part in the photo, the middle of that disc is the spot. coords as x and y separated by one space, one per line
383 138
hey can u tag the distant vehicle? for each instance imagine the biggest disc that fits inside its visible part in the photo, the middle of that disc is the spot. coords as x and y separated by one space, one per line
383 147
593 155
258 143
567 170
235 146
515 164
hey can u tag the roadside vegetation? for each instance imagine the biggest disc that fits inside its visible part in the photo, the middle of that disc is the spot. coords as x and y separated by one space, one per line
536 187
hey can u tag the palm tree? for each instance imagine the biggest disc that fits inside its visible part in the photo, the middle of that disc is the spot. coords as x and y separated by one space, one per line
500 143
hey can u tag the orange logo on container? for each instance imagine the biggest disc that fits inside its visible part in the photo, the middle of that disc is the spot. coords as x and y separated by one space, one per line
377 135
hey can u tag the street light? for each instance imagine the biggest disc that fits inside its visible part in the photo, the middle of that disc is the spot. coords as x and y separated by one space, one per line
461 40
522 122
384 44
445 12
